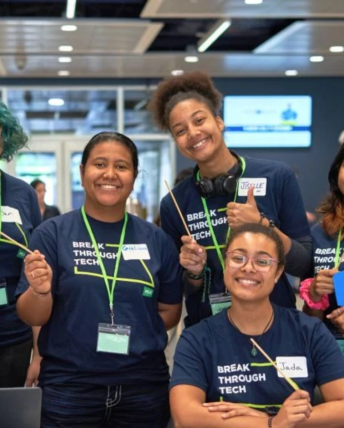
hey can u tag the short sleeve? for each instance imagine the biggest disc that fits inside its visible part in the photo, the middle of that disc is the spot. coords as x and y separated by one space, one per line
292 215
168 220
36 217
170 274
327 357
188 368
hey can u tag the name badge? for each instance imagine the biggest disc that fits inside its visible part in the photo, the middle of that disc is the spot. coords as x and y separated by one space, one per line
10 215
3 293
292 366
259 185
135 252
219 302
114 339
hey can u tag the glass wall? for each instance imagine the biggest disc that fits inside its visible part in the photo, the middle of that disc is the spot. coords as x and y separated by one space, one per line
66 118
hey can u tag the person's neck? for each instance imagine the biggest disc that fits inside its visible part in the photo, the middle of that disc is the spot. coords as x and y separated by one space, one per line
220 164
42 206
105 214
251 318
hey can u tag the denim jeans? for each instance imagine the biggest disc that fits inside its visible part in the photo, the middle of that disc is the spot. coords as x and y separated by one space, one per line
94 406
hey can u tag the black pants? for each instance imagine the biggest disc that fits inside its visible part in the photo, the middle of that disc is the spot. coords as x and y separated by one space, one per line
14 362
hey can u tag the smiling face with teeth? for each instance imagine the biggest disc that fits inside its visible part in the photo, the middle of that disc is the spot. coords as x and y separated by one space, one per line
197 132
246 283
108 179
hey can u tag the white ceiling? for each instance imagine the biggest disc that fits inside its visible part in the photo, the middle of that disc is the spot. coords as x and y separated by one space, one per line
118 48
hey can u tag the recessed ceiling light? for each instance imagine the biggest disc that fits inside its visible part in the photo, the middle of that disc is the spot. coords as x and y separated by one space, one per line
291 72
69 27
337 48
56 102
65 59
63 73
65 48
191 58
316 58
177 72
253 1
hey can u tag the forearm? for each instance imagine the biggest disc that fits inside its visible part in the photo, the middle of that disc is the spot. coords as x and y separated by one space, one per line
171 315
33 309
313 312
191 286
35 334
196 416
329 415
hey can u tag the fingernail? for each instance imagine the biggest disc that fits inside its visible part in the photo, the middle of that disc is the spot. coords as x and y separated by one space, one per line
200 250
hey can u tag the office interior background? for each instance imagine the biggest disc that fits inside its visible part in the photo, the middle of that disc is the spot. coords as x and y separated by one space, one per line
70 69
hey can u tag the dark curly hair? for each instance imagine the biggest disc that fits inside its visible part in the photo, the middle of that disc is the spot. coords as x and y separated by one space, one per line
332 208
196 85
13 138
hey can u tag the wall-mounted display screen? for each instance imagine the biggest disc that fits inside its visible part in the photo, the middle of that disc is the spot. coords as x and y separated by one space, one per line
268 121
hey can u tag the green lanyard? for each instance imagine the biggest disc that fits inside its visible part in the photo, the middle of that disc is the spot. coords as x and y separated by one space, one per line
207 214
111 290
336 259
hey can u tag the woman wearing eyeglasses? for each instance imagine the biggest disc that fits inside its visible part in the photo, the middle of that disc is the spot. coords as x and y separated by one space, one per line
221 379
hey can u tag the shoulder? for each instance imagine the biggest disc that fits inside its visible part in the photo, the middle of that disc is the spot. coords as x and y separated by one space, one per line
298 321
18 185
206 330
61 222
146 229
268 167
183 191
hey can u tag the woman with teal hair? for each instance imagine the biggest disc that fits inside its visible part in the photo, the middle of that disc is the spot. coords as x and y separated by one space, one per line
19 215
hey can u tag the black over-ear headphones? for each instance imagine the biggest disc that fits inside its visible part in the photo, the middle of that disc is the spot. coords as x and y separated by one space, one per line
224 184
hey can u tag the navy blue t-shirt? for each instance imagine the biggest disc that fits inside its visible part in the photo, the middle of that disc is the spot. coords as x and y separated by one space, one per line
324 252
20 215
281 203
216 357
68 342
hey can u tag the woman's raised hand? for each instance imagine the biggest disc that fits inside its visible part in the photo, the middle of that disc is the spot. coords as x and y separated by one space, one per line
38 273
322 284
192 256
296 408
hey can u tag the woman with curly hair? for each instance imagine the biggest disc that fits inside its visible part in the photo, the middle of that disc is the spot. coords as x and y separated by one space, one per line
19 215
328 234
225 191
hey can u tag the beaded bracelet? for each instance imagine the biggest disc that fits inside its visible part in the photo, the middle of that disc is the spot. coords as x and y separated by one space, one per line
195 277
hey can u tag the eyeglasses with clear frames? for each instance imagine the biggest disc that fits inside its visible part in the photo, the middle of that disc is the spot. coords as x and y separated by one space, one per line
260 262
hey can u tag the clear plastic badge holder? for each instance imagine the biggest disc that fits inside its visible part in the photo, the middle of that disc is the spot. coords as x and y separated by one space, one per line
114 338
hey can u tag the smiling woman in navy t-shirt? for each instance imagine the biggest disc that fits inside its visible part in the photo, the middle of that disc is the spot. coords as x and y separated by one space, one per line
105 291
216 363
217 195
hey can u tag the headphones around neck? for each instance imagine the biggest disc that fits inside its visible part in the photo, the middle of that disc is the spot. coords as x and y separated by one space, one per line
224 184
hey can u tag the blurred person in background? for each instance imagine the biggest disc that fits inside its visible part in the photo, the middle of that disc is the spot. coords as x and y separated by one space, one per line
47 211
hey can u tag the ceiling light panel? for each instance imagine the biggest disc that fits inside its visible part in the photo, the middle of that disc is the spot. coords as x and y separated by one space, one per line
239 9
92 36
307 37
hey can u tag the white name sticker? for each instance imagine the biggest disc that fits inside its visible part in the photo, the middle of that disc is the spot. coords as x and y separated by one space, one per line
135 252
292 366
259 185
10 215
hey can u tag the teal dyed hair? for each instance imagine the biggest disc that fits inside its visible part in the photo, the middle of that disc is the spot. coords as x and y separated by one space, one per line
13 138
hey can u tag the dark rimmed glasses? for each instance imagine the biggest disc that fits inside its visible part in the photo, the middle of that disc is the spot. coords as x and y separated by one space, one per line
260 262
